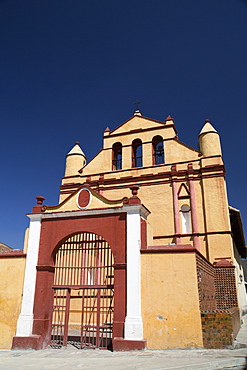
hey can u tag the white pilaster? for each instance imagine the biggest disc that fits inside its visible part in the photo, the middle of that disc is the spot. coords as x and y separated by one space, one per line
133 328
25 321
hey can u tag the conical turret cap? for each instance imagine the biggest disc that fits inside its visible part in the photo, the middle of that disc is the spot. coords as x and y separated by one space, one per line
76 150
207 128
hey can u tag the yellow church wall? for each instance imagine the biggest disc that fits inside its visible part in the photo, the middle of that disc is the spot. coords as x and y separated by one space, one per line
136 122
211 161
95 169
161 216
147 154
73 164
126 157
200 217
219 246
217 217
146 136
170 302
211 199
175 151
11 277
166 130
26 236
216 208
102 162
203 245
199 205
96 202
210 144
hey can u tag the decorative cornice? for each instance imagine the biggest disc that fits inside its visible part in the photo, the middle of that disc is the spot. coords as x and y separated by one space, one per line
45 268
141 130
136 208
201 173
119 266
174 248
193 234
14 254
223 263
139 180
146 118
34 216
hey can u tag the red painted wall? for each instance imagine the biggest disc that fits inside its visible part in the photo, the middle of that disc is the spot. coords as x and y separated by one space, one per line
54 232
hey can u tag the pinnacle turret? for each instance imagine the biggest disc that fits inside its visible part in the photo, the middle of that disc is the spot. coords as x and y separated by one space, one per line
209 140
75 160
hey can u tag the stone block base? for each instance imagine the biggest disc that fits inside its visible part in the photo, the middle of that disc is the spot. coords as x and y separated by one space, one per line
32 342
120 344
220 328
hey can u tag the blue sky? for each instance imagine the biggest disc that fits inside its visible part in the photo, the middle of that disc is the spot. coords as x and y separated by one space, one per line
70 68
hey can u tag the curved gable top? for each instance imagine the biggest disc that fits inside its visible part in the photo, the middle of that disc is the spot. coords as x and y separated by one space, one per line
82 199
140 123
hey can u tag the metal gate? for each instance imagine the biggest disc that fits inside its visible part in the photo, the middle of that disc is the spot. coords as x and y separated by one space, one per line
83 293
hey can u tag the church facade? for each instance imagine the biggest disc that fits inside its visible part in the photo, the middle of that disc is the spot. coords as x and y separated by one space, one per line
142 250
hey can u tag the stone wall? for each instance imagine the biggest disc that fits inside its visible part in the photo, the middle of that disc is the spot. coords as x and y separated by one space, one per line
220 314
219 329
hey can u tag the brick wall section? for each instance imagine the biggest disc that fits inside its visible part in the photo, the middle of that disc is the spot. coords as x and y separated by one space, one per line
226 294
218 303
219 329
206 284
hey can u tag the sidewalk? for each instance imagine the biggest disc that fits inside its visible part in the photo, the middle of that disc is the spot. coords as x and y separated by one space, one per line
188 359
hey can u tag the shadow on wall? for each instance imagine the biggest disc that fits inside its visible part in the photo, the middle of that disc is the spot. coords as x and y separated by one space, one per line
245 366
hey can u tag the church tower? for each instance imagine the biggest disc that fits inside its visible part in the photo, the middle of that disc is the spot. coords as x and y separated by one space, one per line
75 160
209 140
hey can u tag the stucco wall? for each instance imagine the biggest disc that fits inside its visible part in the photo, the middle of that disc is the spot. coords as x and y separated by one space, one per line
11 277
170 303
239 275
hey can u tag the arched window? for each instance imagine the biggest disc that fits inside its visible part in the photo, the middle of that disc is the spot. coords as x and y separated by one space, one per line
186 219
117 156
158 150
137 153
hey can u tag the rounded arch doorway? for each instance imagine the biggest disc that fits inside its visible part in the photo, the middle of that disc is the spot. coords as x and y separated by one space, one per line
83 288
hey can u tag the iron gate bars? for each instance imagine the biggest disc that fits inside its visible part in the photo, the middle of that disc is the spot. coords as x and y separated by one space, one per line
83 293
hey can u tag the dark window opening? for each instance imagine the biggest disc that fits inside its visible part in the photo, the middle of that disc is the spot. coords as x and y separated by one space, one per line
158 150
117 157
137 153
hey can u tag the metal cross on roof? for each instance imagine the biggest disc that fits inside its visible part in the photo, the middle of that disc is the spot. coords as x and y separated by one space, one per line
136 103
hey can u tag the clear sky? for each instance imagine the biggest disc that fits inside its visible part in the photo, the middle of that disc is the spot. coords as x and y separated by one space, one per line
70 68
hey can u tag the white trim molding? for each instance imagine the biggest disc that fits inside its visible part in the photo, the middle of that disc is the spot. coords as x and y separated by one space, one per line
133 328
142 210
25 321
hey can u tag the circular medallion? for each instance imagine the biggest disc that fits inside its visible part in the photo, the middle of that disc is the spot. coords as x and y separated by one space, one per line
83 198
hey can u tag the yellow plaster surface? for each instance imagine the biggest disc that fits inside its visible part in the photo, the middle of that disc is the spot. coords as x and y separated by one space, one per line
217 217
137 122
11 277
99 164
97 201
170 303
219 245
175 151
74 163
210 144
26 240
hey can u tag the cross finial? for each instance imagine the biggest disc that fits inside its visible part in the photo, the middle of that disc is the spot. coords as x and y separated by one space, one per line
136 104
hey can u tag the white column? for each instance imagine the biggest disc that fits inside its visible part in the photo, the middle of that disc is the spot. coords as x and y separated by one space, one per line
25 321
133 328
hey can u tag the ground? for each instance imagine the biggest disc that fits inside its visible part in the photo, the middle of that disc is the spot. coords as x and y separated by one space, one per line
186 359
